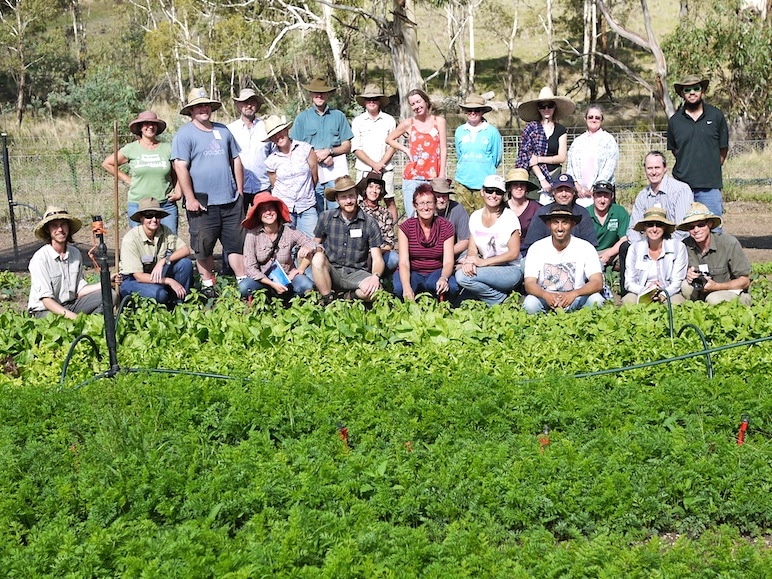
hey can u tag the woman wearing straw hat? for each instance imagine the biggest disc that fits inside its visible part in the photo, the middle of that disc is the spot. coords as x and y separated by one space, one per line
518 187
293 171
56 270
478 146
544 141
656 263
150 170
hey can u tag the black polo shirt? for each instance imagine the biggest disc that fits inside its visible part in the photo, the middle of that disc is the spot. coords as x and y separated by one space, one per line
697 147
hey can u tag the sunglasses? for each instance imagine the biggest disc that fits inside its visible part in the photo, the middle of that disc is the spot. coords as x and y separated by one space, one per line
152 215
698 224
546 105
688 89
653 224
498 192
594 118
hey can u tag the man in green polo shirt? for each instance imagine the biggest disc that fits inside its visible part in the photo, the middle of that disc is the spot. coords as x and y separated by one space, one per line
611 221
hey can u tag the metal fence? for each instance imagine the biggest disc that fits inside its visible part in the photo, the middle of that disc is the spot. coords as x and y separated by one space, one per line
44 173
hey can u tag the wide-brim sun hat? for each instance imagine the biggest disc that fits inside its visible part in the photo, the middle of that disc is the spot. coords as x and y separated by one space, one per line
520 176
563 211
52 214
247 93
373 176
252 219
691 80
699 212
199 96
274 125
341 185
657 215
475 102
529 110
372 92
441 185
148 204
135 126
318 85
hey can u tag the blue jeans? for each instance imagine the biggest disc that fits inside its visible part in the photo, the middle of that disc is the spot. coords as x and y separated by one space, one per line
181 271
534 305
712 199
301 284
391 259
426 283
321 202
492 284
408 188
305 221
170 207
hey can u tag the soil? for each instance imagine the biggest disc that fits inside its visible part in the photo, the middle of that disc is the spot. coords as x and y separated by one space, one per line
748 221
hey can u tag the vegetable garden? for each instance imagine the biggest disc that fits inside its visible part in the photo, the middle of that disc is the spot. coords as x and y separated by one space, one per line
402 440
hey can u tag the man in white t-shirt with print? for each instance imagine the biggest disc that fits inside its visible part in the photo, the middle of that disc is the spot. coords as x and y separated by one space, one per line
562 272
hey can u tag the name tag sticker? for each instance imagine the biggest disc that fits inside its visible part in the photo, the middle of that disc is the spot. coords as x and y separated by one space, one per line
355 232
217 134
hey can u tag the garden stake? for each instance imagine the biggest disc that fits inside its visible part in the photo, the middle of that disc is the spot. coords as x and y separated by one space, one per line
743 429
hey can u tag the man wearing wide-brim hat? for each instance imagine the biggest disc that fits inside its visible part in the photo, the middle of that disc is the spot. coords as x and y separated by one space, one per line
562 272
211 177
719 271
349 237
328 132
370 130
155 263
56 270
249 132
479 146
698 136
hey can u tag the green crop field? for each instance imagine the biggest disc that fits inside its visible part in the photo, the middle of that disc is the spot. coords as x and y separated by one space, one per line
401 441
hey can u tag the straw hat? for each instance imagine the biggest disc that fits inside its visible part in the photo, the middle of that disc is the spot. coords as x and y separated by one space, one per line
690 80
657 215
365 181
247 93
342 184
372 92
199 96
699 212
274 125
135 126
145 205
557 210
475 102
520 176
529 111
52 214
252 219
318 85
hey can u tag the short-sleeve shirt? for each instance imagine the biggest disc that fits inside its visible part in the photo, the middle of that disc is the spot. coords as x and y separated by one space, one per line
725 257
426 253
139 253
209 155
150 170
254 150
539 230
494 240
54 276
370 136
697 147
294 182
384 220
321 131
458 216
348 243
561 271
613 229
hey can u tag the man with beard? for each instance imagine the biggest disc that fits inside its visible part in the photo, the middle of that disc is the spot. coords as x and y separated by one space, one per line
698 136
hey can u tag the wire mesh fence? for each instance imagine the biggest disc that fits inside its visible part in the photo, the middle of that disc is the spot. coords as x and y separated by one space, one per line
42 172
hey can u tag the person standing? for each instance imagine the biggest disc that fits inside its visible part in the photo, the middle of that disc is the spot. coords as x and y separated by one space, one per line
426 149
211 177
698 136
56 270
592 157
150 170
479 147
369 143
329 133
249 132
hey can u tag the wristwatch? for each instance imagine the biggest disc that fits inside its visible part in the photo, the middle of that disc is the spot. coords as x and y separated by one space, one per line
167 261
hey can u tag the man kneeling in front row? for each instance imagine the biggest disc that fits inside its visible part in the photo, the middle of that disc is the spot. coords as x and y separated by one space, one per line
562 272
719 271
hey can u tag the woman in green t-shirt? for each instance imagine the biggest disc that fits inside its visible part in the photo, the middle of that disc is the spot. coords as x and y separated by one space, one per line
150 170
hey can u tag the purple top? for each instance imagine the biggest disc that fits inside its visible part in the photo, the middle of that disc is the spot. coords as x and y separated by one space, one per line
426 254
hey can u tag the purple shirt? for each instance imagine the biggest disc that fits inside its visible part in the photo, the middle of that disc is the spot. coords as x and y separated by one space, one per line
426 254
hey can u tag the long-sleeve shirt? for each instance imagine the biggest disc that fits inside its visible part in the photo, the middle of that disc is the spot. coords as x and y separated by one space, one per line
479 151
669 269
674 196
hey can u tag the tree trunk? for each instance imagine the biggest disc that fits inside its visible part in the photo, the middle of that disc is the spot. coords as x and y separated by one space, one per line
552 59
510 51
79 34
470 25
341 62
404 53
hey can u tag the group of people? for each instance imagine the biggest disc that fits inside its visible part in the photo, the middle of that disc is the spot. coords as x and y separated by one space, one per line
279 197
